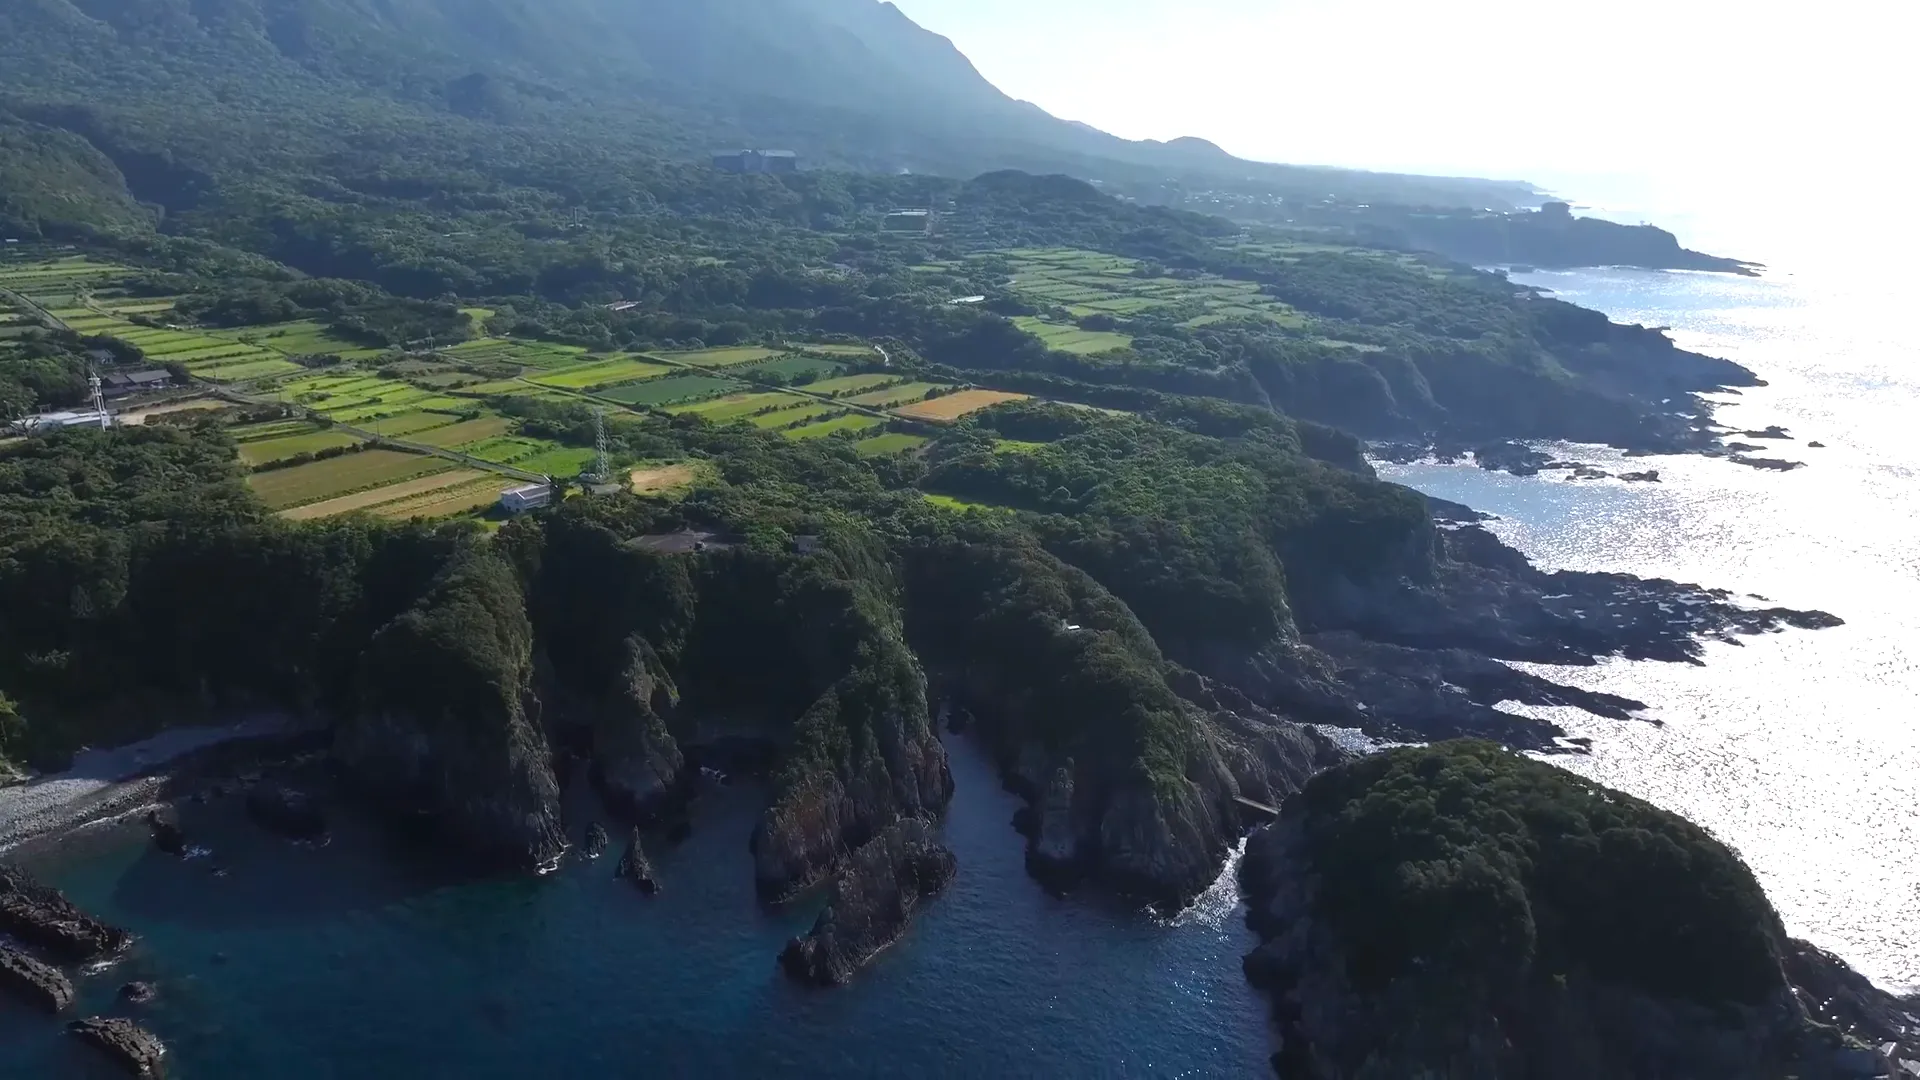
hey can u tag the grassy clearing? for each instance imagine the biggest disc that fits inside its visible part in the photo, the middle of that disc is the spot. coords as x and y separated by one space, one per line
318 481
563 462
960 506
952 407
893 442
850 422
662 479
658 393
1072 339
603 373
1016 446
464 432
719 358
267 451
508 449
384 494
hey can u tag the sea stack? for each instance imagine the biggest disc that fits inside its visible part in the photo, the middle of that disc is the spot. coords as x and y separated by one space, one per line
135 1049
634 866
42 985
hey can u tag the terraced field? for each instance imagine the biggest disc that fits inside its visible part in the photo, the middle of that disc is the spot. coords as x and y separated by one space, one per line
945 410
902 394
509 352
855 422
602 373
1072 339
790 367
429 489
787 418
463 432
733 407
719 358
1090 283
305 338
848 385
260 452
350 474
675 390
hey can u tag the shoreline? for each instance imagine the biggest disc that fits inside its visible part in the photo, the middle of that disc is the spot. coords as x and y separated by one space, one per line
112 783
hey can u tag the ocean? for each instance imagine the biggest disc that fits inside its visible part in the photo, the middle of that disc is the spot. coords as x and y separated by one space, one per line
370 959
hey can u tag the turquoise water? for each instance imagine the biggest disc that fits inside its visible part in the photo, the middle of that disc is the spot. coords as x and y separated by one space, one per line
1801 749
370 959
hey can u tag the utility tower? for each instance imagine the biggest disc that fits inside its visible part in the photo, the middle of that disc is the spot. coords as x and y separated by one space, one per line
99 400
602 461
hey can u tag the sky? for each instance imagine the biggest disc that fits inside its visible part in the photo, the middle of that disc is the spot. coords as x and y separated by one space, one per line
1634 102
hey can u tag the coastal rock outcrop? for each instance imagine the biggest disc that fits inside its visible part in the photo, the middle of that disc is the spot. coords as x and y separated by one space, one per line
40 916
133 1048
36 983
280 809
634 866
137 993
637 765
864 755
168 837
1533 924
594 844
447 725
885 882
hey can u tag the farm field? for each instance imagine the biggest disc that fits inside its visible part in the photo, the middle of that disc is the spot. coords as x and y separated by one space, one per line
786 417
1090 283
463 432
839 349
508 450
1072 339
333 478
733 407
658 479
658 393
562 462
895 395
260 452
305 338
718 358
603 373
512 352
952 407
847 385
790 367
850 422
893 442
379 496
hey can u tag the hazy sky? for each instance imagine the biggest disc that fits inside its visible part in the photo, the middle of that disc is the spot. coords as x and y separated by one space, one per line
1682 96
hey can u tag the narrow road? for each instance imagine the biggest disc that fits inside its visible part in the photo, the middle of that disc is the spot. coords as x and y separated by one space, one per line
22 302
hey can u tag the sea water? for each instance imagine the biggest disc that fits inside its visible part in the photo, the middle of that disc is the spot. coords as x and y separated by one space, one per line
1802 749
375 958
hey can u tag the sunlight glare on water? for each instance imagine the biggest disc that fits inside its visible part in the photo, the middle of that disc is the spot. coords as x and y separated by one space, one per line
1799 749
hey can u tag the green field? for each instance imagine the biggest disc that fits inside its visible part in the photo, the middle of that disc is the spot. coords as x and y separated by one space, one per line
512 352
273 429
267 451
305 338
603 373
785 417
790 367
717 358
562 463
1088 283
895 395
893 442
462 433
1072 339
850 422
321 480
740 406
839 350
508 449
655 393
848 385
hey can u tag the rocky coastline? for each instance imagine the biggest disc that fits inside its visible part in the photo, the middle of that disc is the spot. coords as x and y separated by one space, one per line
885 883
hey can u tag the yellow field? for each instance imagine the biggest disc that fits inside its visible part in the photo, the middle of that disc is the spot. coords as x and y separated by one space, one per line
660 478
341 476
945 410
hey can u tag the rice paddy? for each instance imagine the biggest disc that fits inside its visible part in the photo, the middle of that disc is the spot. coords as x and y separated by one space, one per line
603 373
892 396
283 489
733 407
790 367
893 442
261 452
848 385
1087 283
852 422
719 358
1072 339
674 390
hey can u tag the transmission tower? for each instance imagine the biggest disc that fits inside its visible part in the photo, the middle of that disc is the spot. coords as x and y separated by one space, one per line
602 462
99 400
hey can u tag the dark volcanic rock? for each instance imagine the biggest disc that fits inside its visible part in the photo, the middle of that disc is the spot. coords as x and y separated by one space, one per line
634 866
638 767
1774 432
1835 994
1816 445
1648 477
138 993
133 1048
1774 464
283 810
595 843
167 834
41 916
39 984
885 882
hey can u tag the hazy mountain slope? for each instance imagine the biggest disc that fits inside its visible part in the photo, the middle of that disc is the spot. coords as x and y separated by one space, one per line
848 82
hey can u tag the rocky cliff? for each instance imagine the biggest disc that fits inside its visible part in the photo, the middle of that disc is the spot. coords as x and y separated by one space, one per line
448 724
875 899
1459 911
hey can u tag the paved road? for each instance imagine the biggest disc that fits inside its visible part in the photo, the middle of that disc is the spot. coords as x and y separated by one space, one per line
22 301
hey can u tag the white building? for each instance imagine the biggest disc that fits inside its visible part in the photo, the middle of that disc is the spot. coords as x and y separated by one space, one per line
54 421
526 497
